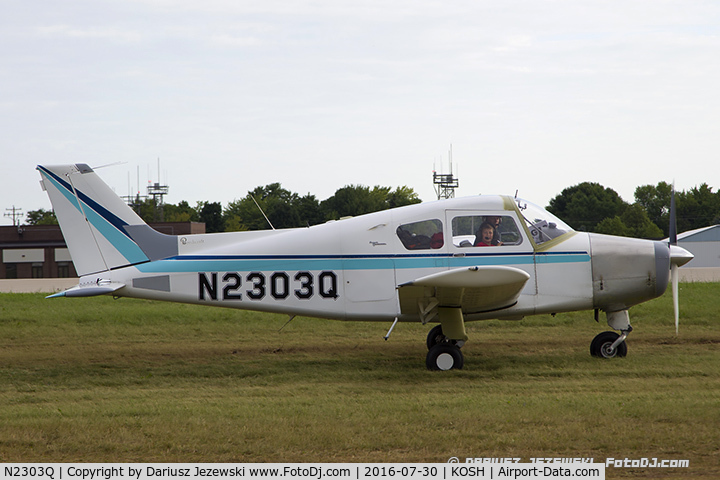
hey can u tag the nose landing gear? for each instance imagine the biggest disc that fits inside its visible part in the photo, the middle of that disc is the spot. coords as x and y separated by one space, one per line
610 344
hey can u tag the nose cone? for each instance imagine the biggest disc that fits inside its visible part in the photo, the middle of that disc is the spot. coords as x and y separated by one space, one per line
679 256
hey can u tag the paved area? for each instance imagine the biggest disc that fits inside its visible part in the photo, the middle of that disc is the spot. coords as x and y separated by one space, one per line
37 285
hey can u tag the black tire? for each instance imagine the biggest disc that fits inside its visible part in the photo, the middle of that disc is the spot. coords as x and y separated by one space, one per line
444 356
436 336
600 346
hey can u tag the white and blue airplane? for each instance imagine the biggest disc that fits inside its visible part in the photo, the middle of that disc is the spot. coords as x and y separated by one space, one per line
446 262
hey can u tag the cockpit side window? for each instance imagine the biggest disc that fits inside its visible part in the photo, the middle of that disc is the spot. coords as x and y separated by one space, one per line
485 231
424 235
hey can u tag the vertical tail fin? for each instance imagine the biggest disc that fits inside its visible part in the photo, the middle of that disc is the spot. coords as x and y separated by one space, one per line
101 231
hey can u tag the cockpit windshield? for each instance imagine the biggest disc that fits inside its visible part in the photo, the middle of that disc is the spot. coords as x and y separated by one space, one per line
543 225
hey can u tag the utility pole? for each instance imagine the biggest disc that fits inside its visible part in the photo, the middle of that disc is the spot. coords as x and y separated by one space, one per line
15 214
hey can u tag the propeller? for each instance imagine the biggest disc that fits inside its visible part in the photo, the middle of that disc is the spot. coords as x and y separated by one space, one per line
678 257
672 240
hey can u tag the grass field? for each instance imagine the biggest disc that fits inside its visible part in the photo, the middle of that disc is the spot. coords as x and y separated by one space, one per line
106 380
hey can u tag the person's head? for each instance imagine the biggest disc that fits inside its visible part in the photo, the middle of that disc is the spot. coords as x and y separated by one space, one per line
494 221
487 232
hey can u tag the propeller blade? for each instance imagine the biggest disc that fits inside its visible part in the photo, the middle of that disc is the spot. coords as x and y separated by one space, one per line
678 257
676 301
672 243
673 219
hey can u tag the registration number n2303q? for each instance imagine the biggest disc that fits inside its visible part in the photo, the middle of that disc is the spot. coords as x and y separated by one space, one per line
258 285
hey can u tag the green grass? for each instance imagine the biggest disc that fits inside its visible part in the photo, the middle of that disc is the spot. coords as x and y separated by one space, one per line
101 380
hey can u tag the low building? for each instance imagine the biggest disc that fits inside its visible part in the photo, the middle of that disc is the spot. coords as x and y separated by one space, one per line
39 251
704 243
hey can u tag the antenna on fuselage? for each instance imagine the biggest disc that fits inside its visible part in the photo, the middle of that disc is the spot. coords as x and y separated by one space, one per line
261 211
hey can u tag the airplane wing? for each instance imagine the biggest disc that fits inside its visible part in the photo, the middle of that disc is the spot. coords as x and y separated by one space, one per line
474 289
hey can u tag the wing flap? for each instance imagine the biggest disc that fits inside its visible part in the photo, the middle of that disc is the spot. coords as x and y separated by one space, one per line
474 289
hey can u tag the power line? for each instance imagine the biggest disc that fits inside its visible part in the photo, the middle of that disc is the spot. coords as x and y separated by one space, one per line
15 214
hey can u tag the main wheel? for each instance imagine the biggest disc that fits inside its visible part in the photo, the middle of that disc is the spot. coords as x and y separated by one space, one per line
600 346
436 336
444 356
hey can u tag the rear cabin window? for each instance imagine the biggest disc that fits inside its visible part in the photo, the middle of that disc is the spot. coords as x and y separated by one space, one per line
424 235
485 231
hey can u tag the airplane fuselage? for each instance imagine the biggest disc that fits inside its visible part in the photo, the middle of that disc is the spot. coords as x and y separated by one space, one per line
290 271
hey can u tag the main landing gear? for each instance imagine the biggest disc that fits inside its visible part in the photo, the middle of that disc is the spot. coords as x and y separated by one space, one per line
611 344
445 340
444 346
443 353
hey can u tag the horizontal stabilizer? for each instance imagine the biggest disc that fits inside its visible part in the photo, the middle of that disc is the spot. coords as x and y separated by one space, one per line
89 290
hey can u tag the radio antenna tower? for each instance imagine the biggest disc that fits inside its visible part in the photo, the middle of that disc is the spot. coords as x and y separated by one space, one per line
445 183
157 192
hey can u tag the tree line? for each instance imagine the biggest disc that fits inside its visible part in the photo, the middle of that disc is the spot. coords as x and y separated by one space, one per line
588 207
283 208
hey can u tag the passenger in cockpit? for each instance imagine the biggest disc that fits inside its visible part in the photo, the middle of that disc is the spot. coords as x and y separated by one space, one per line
484 235
495 222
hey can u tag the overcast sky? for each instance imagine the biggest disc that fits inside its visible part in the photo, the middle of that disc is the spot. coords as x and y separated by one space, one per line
534 95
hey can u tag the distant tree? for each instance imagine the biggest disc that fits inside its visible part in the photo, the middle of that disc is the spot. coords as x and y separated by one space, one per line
402 196
613 226
696 208
308 210
211 214
655 199
639 224
280 205
353 200
633 222
145 208
41 217
182 212
585 205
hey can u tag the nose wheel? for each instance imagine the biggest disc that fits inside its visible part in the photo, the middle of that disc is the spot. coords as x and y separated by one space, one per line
609 345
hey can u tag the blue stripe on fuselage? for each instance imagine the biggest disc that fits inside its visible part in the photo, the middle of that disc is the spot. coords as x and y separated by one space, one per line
253 263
